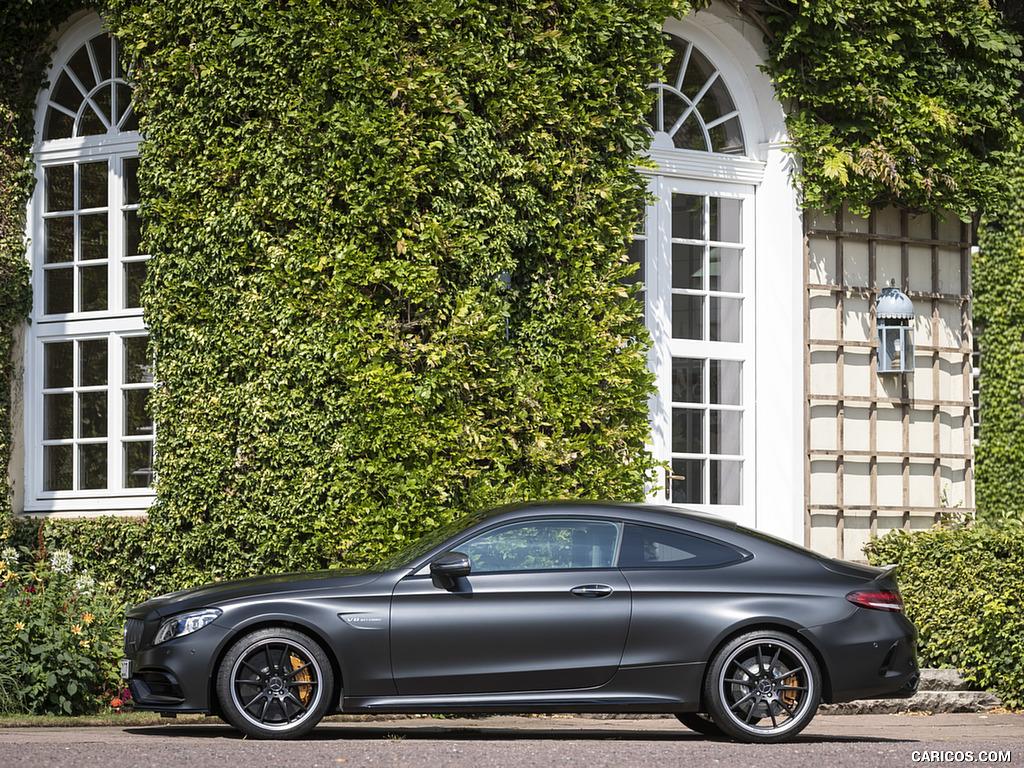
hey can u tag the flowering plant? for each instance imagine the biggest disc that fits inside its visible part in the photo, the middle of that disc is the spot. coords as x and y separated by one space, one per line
59 635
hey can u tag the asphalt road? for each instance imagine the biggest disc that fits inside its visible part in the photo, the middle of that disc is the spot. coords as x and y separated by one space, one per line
861 741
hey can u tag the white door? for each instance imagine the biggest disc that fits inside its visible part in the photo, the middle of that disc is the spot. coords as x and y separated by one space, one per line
698 254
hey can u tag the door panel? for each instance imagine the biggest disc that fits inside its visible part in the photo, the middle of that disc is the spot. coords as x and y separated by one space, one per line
511 631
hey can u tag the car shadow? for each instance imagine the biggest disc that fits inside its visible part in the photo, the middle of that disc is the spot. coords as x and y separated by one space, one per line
475 732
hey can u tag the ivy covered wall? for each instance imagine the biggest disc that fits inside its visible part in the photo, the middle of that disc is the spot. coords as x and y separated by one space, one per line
332 192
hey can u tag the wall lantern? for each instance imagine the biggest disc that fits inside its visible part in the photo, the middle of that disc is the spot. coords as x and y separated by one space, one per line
895 316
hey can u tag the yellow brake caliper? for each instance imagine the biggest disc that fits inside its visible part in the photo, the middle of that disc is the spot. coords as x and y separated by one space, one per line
303 678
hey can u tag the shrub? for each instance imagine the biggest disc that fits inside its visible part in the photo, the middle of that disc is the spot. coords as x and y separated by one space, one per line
59 635
964 590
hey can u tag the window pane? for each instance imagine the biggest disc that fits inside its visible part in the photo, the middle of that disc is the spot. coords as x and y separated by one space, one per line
82 67
687 430
58 125
124 101
130 170
92 236
138 464
644 547
92 363
726 432
91 125
636 256
134 277
101 52
60 240
103 99
92 185
93 287
137 365
726 382
687 381
688 481
59 289
136 419
688 217
726 219
92 414
544 545
726 270
687 317
132 234
93 469
726 486
66 93
58 364
687 266
60 188
58 416
58 467
726 319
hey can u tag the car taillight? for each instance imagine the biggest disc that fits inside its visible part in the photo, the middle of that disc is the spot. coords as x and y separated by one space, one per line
878 599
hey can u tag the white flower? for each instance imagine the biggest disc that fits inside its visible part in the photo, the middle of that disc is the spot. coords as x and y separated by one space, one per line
61 561
9 556
84 584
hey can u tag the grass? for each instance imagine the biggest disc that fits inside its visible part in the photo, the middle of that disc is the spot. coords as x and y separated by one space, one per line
123 719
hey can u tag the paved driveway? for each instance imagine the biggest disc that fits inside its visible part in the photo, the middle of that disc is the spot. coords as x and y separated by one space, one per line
864 741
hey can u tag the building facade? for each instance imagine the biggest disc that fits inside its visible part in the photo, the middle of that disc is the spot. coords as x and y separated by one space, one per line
770 406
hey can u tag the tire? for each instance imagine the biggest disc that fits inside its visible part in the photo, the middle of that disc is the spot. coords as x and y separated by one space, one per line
700 722
763 687
275 684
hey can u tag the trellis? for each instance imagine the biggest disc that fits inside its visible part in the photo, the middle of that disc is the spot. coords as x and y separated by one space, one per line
934 271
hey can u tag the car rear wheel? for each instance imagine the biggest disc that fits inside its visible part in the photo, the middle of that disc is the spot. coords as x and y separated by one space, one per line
699 722
275 684
763 687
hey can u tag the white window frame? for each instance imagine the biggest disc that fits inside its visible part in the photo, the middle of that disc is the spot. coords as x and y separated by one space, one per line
113 324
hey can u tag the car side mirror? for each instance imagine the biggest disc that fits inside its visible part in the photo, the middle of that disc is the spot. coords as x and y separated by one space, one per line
448 567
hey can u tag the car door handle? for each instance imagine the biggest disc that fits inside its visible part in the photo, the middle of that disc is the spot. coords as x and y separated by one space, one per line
592 590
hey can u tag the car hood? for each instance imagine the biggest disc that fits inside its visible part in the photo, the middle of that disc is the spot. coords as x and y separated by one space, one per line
279 584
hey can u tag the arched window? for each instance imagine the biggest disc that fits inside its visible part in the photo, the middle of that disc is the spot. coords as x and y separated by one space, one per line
696 251
89 438
694 109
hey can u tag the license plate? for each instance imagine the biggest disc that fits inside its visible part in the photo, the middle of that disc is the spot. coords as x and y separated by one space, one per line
126 669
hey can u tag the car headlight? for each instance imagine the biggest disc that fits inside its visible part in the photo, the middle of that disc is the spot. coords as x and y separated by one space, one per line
185 624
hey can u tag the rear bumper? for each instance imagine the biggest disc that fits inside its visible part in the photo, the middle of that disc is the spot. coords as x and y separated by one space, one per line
871 655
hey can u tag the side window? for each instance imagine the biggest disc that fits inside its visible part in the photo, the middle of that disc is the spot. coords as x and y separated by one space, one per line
645 547
544 545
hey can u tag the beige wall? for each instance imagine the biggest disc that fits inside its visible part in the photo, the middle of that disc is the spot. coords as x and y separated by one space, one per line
885 450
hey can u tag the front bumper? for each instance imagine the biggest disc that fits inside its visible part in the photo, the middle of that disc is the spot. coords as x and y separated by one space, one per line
177 676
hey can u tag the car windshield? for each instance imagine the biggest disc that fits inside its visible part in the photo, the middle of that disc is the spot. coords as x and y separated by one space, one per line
423 545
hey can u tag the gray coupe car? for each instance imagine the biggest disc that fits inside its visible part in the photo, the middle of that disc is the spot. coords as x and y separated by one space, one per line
538 607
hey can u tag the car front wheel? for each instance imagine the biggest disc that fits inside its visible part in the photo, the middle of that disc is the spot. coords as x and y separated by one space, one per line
763 687
275 684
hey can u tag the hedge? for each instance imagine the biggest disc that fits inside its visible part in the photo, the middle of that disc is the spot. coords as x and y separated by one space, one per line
964 590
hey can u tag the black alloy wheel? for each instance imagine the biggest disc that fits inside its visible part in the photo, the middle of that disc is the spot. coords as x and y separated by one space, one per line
275 684
763 687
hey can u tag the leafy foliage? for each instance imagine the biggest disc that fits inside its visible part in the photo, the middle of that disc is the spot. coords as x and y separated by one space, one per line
998 280
898 102
332 193
59 635
963 589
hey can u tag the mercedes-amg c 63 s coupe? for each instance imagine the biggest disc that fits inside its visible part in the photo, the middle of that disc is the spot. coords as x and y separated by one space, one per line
538 607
